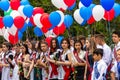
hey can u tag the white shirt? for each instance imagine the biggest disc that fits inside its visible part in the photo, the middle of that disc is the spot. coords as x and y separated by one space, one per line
107 54
102 68
114 69
115 47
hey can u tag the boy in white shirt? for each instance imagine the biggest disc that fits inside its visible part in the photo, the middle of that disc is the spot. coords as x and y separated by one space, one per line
100 67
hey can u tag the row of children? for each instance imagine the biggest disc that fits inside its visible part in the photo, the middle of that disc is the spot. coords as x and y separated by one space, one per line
74 59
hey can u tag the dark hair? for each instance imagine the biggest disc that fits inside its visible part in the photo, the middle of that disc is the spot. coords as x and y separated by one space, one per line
8 45
33 43
98 52
117 33
56 41
100 36
78 41
26 47
67 40
44 42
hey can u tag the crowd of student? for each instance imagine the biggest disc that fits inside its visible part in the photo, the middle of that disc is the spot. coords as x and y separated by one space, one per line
77 58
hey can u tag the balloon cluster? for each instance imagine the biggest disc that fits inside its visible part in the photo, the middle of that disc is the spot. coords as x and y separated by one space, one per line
64 4
18 15
89 13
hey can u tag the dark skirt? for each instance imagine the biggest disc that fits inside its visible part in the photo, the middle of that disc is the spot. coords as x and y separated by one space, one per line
79 72
37 73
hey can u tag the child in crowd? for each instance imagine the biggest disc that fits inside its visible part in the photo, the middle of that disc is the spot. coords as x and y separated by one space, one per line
115 68
100 67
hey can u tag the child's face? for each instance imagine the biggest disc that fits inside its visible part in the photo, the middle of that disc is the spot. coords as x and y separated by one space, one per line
118 54
96 57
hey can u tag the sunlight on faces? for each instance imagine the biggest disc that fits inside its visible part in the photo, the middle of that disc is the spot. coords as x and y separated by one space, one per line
87 44
118 54
4 47
54 44
77 46
23 49
96 57
115 38
44 47
64 44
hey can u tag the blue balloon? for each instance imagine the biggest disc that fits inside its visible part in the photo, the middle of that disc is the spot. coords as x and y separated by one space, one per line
20 35
30 24
107 4
54 18
116 8
4 5
68 20
72 7
38 31
83 23
8 21
24 28
86 3
85 13
28 10
24 2
59 38
52 27
92 6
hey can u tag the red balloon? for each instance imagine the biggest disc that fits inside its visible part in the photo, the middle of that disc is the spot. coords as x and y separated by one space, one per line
59 30
13 39
19 22
69 3
56 31
45 20
109 15
32 21
62 28
14 4
38 10
1 23
91 20
44 30
48 40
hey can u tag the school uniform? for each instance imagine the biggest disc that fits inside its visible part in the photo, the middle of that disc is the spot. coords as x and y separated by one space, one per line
64 71
53 72
16 68
44 72
99 70
114 51
79 57
114 69
6 70
107 54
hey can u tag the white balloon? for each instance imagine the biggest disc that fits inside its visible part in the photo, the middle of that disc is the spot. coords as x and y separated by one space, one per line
59 4
80 5
36 20
12 30
77 17
2 31
50 34
14 14
20 10
6 35
62 17
98 12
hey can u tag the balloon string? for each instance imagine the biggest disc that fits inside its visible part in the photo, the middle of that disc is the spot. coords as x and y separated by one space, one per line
27 33
68 33
109 32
